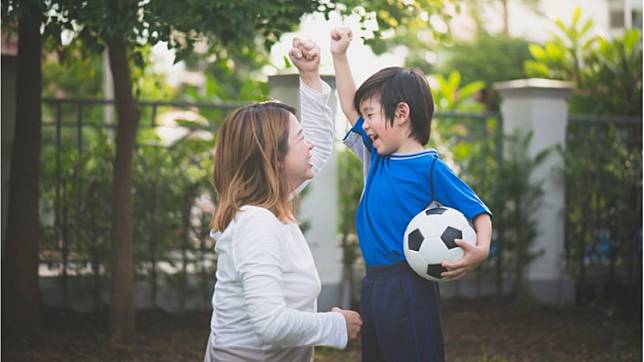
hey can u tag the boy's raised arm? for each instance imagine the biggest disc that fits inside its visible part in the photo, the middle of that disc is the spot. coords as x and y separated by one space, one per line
340 40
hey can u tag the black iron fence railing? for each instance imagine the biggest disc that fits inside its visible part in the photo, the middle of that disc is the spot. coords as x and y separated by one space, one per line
603 175
173 197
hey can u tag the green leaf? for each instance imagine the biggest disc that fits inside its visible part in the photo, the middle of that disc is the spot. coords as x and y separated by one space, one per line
287 62
537 51
470 89
536 69
576 15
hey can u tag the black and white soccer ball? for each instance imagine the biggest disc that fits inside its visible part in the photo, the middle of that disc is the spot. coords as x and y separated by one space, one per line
429 240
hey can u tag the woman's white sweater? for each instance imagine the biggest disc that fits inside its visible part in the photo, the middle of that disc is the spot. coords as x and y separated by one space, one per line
267 285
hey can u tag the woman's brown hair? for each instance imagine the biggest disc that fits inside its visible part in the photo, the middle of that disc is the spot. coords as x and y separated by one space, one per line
252 142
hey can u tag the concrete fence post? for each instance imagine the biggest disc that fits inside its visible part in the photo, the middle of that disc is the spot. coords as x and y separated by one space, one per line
539 106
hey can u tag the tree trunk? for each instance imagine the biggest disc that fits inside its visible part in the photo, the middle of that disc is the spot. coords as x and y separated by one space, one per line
21 296
506 18
122 318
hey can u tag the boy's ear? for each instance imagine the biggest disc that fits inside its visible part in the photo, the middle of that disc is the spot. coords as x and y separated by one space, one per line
402 113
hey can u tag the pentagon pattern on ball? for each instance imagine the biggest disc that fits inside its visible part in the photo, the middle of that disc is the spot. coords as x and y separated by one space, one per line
429 240
435 211
449 235
435 270
415 239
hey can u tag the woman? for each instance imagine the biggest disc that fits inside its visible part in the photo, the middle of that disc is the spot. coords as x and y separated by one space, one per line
265 298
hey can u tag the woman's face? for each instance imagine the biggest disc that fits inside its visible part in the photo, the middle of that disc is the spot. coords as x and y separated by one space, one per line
297 162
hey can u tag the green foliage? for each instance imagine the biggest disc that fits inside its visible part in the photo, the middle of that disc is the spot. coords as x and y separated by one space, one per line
167 182
607 73
477 61
74 71
604 197
405 23
602 159
450 96
518 196
81 217
221 24
350 181
613 78
71 72
229 75
146 83
468 144
564 56
472 60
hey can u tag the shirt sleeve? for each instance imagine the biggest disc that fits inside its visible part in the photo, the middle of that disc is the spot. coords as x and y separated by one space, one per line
357 141
452 192
317 125
256 255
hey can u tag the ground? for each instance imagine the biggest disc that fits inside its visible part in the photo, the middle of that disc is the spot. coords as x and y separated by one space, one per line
475 330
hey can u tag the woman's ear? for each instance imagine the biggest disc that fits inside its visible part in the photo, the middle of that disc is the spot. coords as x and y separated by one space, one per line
402 113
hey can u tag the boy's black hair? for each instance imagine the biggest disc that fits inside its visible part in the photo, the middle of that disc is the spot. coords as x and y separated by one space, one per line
395 85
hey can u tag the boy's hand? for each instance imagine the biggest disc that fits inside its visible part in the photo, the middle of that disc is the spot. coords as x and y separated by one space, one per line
340 40
305 55
473 256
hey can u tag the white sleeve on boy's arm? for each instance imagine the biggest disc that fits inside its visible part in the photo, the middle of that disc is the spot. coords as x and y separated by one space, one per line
256 254
317 124
353 141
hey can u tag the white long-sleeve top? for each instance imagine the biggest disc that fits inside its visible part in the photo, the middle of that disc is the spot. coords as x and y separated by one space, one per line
265 297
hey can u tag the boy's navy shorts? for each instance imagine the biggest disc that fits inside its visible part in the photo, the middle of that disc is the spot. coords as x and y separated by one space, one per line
401 316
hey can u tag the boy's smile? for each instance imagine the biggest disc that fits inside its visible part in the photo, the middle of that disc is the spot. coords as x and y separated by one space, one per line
386 136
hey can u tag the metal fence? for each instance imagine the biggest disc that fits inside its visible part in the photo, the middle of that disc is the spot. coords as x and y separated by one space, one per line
603 169
171 172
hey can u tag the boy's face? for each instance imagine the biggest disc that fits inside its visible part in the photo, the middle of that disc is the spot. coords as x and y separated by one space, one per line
386 137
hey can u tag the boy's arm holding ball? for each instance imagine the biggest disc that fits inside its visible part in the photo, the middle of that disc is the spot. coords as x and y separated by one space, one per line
473 255
340 40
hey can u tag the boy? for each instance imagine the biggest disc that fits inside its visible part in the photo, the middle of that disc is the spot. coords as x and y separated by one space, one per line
391 114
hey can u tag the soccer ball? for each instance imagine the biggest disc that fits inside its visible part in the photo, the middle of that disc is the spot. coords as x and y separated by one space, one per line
429 240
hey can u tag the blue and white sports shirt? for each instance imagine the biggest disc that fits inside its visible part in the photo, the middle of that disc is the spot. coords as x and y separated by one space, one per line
396 188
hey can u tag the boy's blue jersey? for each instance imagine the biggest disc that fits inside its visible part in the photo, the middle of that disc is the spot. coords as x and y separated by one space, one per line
397 187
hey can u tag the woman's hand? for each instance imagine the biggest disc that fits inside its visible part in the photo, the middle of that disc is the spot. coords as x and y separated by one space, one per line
305 55
353 320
